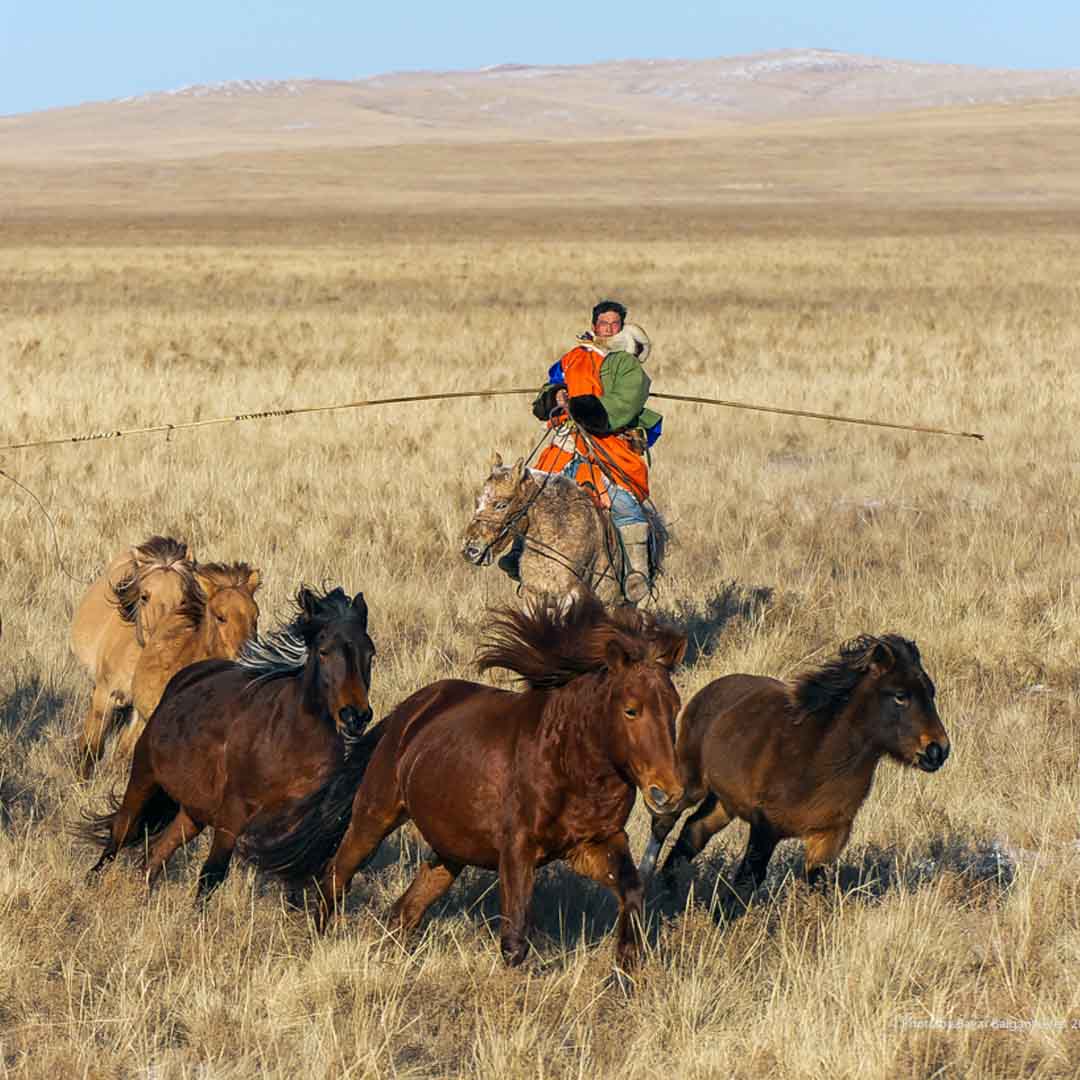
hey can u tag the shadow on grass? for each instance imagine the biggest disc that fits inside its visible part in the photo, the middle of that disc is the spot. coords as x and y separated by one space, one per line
26 712
29 707
568 910
703 624
869 874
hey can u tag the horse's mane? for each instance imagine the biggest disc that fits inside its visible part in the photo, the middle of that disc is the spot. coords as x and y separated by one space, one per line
284 652
548 647
823 692
227 575
224 576
157 553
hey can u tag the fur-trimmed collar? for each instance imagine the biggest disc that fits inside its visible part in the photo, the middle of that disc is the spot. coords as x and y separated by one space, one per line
631 338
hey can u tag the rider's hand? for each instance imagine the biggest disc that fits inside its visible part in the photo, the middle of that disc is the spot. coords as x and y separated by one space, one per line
562 399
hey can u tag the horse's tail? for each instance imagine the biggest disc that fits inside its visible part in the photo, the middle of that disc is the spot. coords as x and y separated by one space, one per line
316 824
96 829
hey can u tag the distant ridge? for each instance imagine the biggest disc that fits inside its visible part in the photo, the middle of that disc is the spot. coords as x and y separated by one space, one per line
512 101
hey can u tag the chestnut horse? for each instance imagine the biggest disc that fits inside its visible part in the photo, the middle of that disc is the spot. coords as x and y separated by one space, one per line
113 621
230 742
511 781
212 624
797 760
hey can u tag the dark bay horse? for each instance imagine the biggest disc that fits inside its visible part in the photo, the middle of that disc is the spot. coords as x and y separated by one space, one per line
232 742
797 760
511 781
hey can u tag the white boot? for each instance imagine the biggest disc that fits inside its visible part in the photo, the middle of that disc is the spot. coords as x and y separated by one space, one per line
636 581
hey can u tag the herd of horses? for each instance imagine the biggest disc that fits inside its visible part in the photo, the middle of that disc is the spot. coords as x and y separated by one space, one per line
269 740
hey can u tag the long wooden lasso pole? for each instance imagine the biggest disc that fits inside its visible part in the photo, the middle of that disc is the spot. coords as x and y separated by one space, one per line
100 436
819 416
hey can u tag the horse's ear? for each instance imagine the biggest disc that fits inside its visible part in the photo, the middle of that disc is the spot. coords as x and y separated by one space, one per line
254 580
204 583
360 606
306 601
881 659
615 656
672 654
519 470
189 555
496 461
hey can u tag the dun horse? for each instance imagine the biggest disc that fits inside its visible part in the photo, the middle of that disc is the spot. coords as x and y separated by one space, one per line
230 742
797 760
570 545
114 620
511 781
212 624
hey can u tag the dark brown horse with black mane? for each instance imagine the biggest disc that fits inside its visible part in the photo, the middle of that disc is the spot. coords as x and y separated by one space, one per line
235 742
511 781
797 760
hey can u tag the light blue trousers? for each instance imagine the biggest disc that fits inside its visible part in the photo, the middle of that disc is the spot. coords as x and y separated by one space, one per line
625 509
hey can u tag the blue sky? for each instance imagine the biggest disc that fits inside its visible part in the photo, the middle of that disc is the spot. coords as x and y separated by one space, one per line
63 52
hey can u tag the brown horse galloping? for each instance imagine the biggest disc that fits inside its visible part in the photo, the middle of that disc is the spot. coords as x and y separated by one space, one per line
510 781
798 760
232 742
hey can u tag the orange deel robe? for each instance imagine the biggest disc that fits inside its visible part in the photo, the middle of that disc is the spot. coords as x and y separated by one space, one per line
581 370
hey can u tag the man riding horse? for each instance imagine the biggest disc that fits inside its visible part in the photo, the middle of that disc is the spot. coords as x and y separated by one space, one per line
600 388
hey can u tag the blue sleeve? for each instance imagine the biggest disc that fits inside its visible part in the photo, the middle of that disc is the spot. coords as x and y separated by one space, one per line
555 373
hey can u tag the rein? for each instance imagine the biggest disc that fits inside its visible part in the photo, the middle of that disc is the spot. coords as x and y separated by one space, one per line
513 517
545 550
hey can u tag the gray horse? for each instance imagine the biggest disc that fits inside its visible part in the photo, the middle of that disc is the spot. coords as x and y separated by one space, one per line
570 544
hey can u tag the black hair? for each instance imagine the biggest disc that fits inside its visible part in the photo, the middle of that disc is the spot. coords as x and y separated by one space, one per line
608 305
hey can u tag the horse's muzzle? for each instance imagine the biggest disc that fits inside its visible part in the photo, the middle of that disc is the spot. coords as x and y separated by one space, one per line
352 719
660 801
932 757
477 554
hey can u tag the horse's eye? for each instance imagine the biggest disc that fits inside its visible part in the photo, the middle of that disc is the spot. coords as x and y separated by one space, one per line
902 698
220 618
144 597
631 713
502 504
324 653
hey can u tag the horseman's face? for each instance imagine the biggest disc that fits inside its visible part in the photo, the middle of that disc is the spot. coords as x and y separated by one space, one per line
607 324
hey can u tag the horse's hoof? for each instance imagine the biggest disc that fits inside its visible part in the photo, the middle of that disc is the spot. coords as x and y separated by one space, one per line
295 899
665 881
93 875
514 952
729 909
621 980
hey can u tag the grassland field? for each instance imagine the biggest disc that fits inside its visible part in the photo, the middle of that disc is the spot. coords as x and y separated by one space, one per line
945 944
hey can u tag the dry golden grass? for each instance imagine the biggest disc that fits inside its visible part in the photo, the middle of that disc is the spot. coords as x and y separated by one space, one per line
956 902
